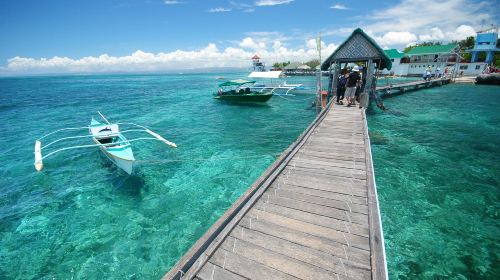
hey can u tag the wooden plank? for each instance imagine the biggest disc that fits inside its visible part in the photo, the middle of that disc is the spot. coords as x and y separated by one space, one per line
299 252
213 272
341 224
324 173
326 156
348 253
341 137
352 152
276 261
315 209
309 161
358 171
321 231
245 267
285 247
347 148
341 142
337 131
352 200
342 204
339 184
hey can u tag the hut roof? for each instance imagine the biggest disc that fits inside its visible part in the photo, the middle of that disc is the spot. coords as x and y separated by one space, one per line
304 67
292 66
436 49
256 56
394 53
358 46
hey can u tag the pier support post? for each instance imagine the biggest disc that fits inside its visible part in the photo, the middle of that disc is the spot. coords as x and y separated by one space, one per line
370 85
336 73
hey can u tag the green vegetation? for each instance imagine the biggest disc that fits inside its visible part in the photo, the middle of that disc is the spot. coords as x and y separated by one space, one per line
280 65
312 63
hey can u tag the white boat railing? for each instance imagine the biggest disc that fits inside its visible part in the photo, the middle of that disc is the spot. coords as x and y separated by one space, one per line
275 88
62 129
39 148
127 142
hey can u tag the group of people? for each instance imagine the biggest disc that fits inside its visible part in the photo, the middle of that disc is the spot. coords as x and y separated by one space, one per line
437 74
349 86
491 69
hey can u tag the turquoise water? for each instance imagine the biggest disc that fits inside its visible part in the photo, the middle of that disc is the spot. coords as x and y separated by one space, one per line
83 218
436 156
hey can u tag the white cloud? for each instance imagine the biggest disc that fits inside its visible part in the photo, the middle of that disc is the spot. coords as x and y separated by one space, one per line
272 2
339 7
395 38
140 61
418 15
462 32
449 19
219 10
249 43
436 35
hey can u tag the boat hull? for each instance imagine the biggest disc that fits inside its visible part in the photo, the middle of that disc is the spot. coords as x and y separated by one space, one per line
259 97
124 164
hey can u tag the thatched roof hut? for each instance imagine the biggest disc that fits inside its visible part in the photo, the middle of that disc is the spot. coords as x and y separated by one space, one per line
358 47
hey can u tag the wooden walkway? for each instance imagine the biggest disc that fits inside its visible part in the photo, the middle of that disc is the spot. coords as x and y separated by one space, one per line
395 89
312 215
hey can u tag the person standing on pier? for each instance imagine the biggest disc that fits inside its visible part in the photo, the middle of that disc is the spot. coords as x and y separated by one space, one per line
428 74
353 81
341 83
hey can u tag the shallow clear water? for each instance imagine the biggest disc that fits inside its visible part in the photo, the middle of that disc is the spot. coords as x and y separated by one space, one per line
82 217
436 156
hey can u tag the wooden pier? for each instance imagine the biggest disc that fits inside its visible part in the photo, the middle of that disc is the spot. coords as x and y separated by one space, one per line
312 215
396 89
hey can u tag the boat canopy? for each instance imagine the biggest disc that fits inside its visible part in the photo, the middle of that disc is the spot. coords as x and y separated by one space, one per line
266 74
237 82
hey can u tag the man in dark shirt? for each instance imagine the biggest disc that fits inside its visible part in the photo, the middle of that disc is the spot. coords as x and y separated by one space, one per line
352 82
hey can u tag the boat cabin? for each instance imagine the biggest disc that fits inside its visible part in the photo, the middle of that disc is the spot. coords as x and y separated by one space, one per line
239 86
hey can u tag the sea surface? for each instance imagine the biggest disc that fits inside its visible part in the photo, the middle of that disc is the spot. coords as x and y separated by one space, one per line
435 154
81 217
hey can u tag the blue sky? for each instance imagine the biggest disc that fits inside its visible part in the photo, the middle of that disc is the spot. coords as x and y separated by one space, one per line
158 35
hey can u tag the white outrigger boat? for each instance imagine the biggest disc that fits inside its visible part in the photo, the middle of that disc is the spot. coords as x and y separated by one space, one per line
107 137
